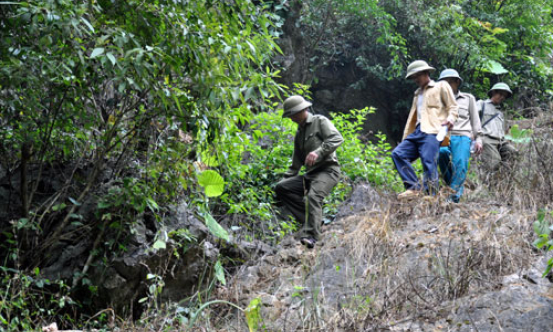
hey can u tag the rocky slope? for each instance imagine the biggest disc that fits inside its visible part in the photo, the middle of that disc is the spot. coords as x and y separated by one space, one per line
390 266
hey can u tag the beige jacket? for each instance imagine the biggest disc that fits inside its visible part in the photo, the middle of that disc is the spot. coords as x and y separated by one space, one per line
439 105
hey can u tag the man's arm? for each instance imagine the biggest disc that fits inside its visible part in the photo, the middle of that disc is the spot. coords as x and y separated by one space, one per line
475 120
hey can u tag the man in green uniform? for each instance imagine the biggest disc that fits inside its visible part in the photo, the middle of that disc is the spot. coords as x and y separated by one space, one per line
496 148
315 144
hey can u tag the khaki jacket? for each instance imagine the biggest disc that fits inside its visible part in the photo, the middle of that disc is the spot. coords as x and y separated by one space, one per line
468 122
318 134
439 105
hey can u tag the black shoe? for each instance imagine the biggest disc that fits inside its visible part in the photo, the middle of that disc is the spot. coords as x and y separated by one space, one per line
308 242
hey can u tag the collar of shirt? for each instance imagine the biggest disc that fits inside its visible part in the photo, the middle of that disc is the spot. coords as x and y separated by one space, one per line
430 84
489 101
308 120
460 95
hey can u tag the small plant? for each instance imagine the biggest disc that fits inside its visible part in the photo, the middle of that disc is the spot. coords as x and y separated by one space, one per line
253 316
543 228
182 238
518 135
213 185
154 290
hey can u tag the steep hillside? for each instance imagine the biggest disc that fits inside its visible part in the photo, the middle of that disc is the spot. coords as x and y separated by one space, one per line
385 265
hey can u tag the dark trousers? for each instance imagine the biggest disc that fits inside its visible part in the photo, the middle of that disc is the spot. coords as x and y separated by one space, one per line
423 146
303 196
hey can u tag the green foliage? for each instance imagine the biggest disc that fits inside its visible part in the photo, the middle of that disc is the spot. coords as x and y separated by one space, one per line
124 103
485 41
215 228
253 315
212 182
155 288
543 228
220 272
130 81
26 299
347 31
368 160
182 239
252 160
519 135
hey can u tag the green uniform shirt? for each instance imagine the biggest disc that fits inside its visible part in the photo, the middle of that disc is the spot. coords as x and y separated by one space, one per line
317 134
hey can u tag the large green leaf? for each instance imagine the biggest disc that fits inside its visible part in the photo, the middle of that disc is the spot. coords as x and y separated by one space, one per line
212 182
253 316
220 273
215 228
496 68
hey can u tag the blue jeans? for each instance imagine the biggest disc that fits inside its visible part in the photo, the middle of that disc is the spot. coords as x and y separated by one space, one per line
423 146
453 162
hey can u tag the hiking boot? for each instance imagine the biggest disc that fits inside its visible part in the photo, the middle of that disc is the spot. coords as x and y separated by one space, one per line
409 194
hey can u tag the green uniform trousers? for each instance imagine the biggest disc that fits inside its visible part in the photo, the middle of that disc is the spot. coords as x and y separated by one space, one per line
303 196
496 151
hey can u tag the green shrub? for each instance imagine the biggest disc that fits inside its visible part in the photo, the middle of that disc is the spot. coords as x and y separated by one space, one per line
28 300
543 228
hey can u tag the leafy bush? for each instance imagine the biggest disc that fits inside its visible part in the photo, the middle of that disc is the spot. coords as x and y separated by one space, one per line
28 300
543 228
364 160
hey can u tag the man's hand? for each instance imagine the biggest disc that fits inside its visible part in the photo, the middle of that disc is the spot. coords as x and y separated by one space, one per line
311 158
448 123
478 148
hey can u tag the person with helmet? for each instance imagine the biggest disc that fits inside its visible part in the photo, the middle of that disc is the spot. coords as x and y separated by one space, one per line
315 143
433 107
496 148
453 160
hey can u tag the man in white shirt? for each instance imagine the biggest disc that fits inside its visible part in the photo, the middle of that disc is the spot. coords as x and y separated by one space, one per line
433 107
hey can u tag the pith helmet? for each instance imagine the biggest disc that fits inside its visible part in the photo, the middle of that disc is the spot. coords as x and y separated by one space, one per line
446 73
502 87
418 66
293 105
